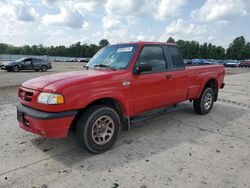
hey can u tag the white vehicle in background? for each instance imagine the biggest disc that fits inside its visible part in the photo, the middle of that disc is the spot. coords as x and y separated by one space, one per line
233 63
85 59
209 61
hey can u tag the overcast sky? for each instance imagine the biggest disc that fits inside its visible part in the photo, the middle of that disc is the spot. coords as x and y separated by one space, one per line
63 22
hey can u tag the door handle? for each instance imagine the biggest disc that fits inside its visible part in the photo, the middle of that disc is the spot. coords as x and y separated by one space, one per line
169 76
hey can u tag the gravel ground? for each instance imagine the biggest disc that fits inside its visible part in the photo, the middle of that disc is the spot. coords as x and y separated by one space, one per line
179 149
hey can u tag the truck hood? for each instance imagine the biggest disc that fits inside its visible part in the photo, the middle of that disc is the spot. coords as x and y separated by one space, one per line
54 81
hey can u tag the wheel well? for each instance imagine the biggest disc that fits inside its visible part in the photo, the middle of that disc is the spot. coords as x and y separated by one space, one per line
212 83
17 66
116 105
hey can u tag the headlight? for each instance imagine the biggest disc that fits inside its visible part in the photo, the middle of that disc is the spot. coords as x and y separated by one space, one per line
50 98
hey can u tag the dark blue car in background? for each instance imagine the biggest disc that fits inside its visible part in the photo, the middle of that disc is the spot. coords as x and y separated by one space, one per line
30 63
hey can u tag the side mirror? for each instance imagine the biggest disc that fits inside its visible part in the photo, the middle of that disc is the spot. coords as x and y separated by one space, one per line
143 67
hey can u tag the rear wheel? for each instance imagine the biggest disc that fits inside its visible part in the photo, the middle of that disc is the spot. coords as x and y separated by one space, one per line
44 68
16 68
98 128
204 104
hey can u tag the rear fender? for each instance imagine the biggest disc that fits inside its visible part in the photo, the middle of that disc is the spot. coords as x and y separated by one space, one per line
205 81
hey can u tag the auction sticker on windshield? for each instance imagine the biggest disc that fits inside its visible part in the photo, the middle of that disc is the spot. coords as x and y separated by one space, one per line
126 49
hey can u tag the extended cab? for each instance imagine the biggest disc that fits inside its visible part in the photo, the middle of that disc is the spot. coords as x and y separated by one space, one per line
120 82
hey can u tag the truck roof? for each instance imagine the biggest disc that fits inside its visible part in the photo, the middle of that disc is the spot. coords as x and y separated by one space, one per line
145 42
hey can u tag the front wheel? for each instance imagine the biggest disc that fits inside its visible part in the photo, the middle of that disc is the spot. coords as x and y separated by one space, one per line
44 68
204 104
16 68
98 128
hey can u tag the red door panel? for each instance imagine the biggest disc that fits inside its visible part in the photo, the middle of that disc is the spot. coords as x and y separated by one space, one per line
149 91
177 86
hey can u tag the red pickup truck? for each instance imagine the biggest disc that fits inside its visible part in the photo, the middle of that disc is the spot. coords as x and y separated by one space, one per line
245 63
120 83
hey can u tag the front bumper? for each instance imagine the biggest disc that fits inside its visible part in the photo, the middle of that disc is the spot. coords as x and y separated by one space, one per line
5 67
45 124
2 67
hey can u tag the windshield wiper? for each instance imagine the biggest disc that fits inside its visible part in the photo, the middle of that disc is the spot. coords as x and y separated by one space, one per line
104 66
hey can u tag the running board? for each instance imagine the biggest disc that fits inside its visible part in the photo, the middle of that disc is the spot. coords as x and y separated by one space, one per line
153 114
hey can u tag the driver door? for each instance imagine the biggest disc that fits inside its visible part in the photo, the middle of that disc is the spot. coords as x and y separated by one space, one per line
36 63
27 64
149 88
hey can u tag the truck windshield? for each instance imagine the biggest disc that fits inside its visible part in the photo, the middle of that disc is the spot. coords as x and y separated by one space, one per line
114 57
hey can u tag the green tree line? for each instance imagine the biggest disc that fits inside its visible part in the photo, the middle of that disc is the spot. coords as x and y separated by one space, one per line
239 49
74 50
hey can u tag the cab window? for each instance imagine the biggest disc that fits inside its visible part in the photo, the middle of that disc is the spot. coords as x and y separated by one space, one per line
26 62
176 57
155 56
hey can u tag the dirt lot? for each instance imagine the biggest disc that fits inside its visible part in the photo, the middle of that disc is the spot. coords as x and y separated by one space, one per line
179 149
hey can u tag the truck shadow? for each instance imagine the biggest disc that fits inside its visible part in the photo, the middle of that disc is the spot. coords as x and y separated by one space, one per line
144 139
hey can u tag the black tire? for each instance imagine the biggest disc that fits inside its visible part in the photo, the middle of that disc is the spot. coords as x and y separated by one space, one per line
16 68
37 70
44 68
87 123
204 104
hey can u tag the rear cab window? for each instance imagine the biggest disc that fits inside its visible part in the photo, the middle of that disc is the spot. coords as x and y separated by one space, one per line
176 58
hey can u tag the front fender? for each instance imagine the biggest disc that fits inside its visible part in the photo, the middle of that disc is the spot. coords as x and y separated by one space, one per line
82 99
